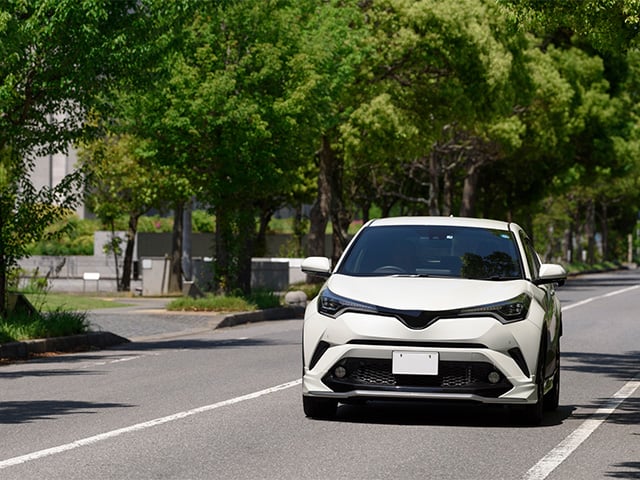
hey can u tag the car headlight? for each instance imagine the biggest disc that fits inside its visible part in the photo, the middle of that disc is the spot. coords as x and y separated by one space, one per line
334 305
512 310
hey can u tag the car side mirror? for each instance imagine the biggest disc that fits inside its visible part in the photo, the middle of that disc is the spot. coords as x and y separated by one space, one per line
551 273
318 266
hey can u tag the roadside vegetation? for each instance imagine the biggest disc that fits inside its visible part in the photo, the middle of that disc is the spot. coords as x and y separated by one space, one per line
226 303
61 314
19 326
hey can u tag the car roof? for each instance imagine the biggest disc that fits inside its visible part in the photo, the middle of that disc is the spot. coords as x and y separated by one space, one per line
443 221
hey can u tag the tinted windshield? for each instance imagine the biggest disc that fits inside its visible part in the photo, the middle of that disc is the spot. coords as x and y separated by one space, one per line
465 252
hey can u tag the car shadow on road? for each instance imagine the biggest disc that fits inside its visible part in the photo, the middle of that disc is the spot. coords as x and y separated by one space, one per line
428 413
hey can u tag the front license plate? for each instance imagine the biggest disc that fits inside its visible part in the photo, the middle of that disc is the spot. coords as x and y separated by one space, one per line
415 363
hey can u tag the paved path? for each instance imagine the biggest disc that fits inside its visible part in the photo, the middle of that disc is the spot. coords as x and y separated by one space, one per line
145 318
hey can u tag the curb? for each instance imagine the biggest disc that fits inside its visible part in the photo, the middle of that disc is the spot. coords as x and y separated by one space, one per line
280 313
72 343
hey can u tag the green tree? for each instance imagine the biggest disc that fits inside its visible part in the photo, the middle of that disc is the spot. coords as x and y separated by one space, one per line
122 182
233 112
609 25
56 56
442 96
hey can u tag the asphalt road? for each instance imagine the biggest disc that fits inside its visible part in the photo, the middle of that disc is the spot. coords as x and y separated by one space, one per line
226 404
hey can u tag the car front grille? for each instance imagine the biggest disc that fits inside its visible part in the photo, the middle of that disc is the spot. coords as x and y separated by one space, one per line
453 377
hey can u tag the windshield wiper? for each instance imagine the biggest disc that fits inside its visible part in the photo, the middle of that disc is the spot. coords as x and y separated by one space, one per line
411 275
498 278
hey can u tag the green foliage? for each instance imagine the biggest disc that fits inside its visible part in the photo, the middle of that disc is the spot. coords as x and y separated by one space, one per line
155 223
610 25
73 236
202 221
526 109
58 56
226 303
311 290
212 303
69 236
263 299
57 323
36 285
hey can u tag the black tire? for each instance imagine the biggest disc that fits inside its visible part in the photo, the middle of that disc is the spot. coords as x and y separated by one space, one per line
534 413
552 398
322 408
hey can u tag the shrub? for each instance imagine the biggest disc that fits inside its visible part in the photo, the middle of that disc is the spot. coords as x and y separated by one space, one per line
59 323
211 303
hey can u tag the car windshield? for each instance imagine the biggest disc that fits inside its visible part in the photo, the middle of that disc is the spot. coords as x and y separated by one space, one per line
410 250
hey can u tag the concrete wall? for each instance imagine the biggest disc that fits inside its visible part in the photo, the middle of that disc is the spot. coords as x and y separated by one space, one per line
150 272
68 273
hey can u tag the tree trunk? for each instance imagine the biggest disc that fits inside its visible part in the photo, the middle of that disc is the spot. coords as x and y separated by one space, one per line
604 222
115 249
340 216
125 281
320 211
469 191
569 250
3 271
447 195
246 240
235 240
175 277
187 230
366 206
434 185
221 254
340 219
590 232
263 226
299 229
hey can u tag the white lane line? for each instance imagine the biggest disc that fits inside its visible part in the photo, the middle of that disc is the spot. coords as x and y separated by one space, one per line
559 454
606 295
141 426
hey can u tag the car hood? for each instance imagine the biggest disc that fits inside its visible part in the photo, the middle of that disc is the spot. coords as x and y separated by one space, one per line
427 294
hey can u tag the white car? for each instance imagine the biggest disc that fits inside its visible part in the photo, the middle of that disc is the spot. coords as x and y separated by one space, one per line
434 308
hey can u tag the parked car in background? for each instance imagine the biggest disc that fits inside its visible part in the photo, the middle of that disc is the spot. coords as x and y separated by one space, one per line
434 308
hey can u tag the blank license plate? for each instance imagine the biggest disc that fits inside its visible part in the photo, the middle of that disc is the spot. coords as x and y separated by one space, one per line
415 363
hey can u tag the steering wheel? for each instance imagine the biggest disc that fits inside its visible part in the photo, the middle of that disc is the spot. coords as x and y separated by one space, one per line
389 269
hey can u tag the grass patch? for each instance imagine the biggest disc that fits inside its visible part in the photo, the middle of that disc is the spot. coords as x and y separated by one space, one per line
50 302
226 303
579 267
310 289
56 323
211 303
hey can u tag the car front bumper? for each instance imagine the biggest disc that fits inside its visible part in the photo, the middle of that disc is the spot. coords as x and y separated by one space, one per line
352 356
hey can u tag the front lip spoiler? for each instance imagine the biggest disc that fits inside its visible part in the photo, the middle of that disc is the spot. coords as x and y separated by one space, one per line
453 397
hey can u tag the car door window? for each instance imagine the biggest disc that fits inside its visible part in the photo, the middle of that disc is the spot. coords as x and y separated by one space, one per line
532 257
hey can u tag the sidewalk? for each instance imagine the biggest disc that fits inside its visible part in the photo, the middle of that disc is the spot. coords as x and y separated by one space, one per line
143 319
